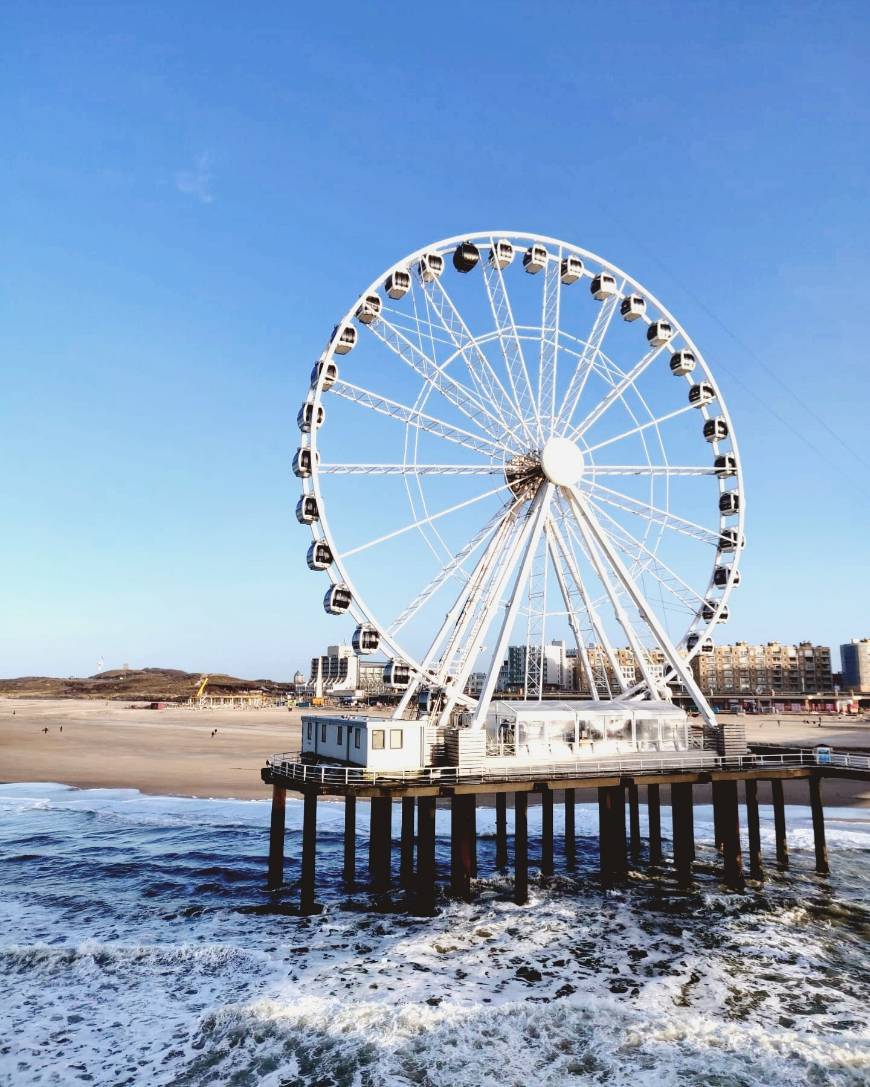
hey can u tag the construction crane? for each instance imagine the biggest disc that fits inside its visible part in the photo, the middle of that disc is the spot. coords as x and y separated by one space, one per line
200 690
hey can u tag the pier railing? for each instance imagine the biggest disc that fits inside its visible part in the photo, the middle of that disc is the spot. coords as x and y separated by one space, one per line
289 766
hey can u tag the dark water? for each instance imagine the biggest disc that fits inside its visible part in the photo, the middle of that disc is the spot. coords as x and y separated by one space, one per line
138 947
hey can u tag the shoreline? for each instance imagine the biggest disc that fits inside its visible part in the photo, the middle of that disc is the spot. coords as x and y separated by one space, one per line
217 754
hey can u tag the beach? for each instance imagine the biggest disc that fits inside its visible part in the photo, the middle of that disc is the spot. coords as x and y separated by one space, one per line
177 752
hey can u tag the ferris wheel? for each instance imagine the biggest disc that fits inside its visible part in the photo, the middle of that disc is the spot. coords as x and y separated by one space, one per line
508 445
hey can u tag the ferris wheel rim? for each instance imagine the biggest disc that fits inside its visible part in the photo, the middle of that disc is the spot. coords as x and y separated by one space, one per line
358 608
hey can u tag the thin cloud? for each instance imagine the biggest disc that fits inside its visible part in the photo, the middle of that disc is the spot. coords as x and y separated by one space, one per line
197 182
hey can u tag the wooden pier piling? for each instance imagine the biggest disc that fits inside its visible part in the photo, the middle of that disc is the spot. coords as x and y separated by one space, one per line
380 843
501 852
406 849
611 833
779 823
276 838
348 871
307 903
729 815
462 820
547 867
683 830
654 819
521 848
718 833
822 866
634 821
570 832
425 882
756 868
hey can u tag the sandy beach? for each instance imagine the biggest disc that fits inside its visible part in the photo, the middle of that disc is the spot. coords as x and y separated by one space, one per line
176 751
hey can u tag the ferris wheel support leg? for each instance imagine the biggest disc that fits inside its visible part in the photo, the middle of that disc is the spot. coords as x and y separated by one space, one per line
588 520
538 517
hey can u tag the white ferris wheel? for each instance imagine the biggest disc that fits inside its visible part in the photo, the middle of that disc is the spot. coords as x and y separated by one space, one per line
509 442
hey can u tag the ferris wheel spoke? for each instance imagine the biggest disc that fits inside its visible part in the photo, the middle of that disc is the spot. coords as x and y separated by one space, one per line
641 427
549 353
425 520
473 608
420 328
621 387
688 597
459 395
652 470
573 621
593 532
452 566
485 379
587 358
652 513
511 347
503 524
414 418
410 469
571 560
601 557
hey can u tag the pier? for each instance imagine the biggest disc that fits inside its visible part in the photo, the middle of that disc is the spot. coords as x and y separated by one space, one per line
619 787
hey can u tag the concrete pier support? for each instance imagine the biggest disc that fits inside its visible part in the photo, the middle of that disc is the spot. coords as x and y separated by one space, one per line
348 872
276 838
822 866
501 853
521 848
425 883
779 823
380 843
570 832
684 831
634 821
756 868
309 846
462 820
547 833
406 855
654 818
729 816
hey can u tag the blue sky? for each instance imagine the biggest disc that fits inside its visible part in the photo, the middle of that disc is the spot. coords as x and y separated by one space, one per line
192 194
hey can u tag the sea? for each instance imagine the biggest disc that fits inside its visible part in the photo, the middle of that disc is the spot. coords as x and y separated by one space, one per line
138 945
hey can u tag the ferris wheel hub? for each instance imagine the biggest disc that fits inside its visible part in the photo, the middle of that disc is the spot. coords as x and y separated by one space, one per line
561 462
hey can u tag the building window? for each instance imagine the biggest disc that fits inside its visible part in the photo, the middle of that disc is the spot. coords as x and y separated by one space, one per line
356 736
309 730
323 734
395 739
340 735
377 739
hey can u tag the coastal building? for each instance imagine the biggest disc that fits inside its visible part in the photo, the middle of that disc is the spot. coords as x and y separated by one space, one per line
855 661
769 669
341 671
557 670
604 673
